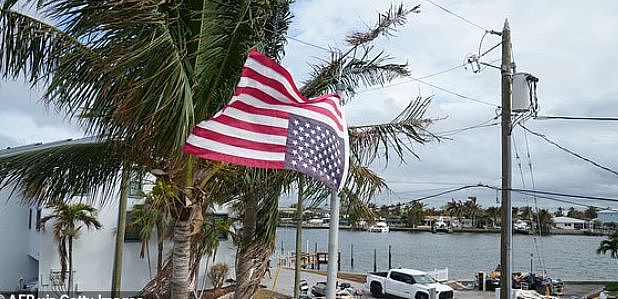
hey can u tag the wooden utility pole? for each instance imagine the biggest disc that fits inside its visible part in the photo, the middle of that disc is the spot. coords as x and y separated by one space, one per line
507 217
299 239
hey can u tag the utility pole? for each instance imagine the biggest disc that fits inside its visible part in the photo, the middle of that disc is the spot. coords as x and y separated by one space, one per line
507 221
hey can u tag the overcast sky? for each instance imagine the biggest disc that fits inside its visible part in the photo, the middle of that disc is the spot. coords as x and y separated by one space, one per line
570 47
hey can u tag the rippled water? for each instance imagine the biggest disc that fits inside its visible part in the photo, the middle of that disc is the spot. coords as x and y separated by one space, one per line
565 257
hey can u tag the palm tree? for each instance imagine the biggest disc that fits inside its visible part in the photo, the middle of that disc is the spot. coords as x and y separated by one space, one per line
610 245
137 72
416 213
154 215
493 213
526 213
68 221
545 221
140 74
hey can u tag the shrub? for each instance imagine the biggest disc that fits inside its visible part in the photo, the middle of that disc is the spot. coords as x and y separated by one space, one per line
217 274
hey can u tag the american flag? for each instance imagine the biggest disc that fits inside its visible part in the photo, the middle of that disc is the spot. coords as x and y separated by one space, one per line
270 124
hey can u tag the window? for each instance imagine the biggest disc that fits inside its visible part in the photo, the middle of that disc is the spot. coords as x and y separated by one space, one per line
220 218
135 184
423 279
402 277
38 219
131 233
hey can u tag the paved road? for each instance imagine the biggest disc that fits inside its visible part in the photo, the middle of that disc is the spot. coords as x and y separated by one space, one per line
285 285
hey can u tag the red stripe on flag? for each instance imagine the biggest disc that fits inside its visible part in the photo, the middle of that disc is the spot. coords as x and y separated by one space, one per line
256 110
237 142
212 155
262 59
277 85
237 123
264 97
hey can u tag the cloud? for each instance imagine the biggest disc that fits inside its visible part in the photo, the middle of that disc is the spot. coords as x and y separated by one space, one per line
568 45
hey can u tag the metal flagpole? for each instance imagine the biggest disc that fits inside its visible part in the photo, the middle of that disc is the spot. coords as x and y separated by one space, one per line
333 246
333 235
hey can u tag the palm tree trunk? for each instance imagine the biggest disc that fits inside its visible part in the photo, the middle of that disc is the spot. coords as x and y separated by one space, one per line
244 283
70 265
159 255
120 232
180 259
182 239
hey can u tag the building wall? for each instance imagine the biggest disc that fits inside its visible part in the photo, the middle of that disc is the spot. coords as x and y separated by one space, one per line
93 254
34 255
14 245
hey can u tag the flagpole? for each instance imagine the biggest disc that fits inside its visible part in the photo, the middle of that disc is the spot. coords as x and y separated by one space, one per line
333 246
333 234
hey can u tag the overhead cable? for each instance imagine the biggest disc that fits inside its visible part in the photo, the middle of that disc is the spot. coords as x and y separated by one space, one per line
459 16
546 117
579 156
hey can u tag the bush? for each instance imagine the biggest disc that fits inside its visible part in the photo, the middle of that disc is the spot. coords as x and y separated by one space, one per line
612 286
217 274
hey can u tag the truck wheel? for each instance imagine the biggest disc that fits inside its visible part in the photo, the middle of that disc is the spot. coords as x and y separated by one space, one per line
421 296
376 290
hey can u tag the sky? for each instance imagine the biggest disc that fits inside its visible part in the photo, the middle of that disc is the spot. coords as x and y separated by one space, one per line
570 47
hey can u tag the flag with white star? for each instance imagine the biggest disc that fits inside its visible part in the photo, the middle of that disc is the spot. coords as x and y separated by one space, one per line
270 124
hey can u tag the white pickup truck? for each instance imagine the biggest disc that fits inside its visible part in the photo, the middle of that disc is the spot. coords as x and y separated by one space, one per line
405 283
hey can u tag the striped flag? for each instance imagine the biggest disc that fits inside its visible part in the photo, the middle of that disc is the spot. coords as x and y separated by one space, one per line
270 124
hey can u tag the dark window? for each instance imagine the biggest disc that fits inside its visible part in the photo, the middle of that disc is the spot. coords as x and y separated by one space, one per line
402 277
131 233
30 218
219 218
38 219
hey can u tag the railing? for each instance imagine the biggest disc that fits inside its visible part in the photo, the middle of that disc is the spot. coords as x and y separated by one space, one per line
440 275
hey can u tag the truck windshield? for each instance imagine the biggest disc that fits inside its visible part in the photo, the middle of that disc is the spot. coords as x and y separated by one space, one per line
423 279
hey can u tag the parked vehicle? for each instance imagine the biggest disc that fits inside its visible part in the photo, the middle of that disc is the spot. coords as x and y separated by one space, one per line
405 283
344 290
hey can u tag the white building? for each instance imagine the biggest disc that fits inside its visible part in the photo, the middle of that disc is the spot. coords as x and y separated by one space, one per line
30 254
570 223
607 216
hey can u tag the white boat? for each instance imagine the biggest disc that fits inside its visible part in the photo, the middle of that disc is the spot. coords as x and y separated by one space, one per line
522 227
379 227
441 226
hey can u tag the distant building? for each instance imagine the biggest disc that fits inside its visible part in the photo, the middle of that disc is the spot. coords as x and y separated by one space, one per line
607 216
570 223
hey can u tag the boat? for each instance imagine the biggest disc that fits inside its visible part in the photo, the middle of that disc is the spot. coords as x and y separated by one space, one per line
441 226
522 227
379 227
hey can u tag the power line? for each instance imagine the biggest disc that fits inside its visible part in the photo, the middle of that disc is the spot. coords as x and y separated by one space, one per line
309 44
577 118
411 80
454 93
520 190
484 124
569 151
458 16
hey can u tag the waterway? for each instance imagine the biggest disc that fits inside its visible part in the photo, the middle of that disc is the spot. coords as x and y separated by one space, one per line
464 254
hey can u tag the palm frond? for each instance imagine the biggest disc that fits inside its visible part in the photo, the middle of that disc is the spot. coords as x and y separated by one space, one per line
365 70
276 29
409 127
59 172
387 23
